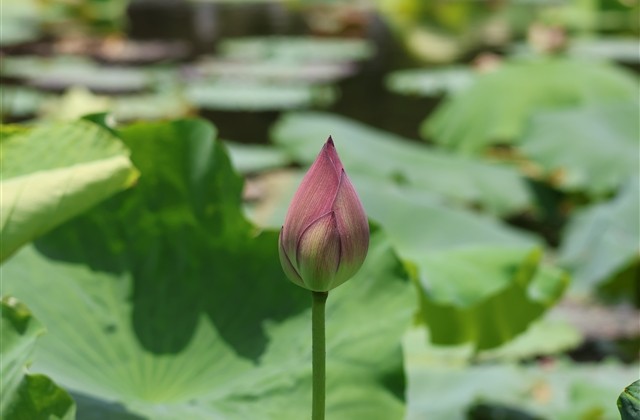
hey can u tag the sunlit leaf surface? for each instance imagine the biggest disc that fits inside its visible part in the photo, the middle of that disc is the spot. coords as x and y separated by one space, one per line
53 172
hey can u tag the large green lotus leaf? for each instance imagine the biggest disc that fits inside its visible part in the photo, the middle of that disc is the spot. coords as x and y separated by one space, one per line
472 271
496 108
440 387
602 240
592 149
53 172
26 395
629 402
165 303
392 159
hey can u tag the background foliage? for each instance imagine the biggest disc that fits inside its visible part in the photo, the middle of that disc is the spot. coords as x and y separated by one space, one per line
150 152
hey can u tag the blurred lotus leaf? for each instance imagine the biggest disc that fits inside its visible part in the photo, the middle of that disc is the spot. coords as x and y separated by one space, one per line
251 158
616 49
275 70
19 22
496 108
61 72
26 395
601 240
297 49
430 82
391 159
557 389
223 94
19 102
79 101
593 149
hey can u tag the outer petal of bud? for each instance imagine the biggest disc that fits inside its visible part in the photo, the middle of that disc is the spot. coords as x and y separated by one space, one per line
325 236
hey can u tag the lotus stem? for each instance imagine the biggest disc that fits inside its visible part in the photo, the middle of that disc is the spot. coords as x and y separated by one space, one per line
318 350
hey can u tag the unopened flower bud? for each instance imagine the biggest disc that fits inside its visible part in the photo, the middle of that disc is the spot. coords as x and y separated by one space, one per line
325 236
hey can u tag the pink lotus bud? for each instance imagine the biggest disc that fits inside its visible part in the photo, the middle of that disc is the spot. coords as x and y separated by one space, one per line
325 236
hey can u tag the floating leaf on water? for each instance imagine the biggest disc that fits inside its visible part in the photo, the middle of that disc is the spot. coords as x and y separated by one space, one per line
275 70
223 94
19 22
430 82
151 106
297 48
60 73
20 102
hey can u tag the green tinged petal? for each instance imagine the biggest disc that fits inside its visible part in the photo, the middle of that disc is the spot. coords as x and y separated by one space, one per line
319 253
285 261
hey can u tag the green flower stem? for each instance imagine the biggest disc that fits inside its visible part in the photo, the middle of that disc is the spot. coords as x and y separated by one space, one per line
318 354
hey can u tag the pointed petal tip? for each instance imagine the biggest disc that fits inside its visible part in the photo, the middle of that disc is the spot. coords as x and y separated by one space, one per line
330 141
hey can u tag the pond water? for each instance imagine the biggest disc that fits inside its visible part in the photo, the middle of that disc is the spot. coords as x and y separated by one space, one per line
362 96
